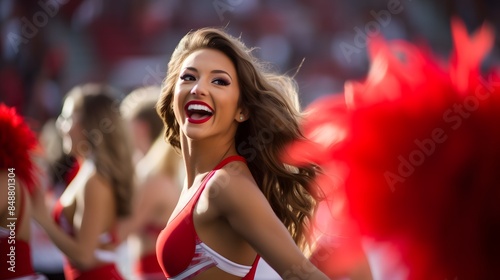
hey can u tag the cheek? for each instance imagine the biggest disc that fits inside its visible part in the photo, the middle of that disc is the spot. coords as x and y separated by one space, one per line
233 100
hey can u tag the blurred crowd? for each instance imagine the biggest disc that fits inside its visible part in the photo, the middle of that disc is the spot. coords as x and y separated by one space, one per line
48 46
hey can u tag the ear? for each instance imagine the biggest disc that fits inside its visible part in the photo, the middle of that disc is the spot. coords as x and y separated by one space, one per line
242 115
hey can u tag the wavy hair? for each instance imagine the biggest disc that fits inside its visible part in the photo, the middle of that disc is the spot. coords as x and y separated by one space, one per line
272 103
108 140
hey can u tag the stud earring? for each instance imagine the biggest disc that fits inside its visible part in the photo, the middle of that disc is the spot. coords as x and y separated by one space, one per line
241 118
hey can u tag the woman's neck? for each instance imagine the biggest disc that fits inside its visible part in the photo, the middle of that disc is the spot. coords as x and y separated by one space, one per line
200 157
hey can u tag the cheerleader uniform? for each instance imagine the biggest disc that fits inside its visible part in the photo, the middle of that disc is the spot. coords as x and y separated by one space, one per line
181 253
147 267
106 270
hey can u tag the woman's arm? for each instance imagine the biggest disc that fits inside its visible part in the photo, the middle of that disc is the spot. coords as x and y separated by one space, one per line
95 214
248 212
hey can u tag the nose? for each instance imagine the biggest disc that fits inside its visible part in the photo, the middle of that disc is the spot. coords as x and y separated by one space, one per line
199 88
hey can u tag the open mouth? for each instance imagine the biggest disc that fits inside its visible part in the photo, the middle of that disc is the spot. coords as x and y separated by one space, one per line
198 112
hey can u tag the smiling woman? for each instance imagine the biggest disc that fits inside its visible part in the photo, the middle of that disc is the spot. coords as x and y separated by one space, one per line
237 205
85 217
205 91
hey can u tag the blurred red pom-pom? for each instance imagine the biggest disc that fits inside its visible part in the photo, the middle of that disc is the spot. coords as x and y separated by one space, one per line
17 141
420 139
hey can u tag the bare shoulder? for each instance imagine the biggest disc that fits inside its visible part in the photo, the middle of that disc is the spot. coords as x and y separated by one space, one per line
233 185
98 186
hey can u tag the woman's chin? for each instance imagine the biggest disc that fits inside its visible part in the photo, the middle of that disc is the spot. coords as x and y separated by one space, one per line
194 132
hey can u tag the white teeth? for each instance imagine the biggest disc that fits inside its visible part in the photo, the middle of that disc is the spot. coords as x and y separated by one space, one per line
199 107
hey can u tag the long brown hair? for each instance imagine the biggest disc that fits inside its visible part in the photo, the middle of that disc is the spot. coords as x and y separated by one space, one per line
272 103
108 141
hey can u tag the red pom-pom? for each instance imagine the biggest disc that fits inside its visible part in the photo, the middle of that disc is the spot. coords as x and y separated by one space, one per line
422 148
324 127
17 141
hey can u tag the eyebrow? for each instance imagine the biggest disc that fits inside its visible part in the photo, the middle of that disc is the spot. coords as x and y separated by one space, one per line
213 71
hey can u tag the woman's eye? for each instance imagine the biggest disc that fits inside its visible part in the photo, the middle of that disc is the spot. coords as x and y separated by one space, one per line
220 82
187 77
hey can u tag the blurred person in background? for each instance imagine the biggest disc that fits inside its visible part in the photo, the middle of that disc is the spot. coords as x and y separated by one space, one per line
60 168
85 217
155 198
239 201
138 109
158 182
18 175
